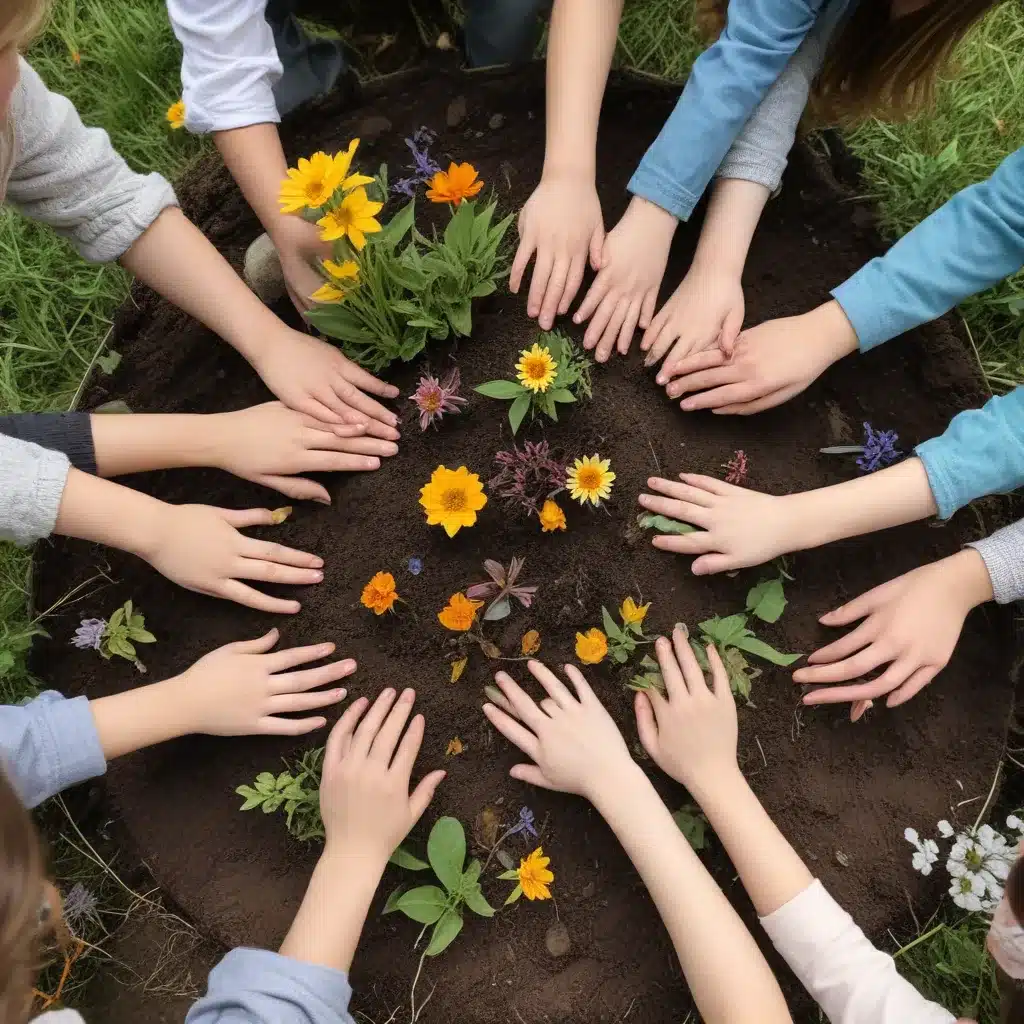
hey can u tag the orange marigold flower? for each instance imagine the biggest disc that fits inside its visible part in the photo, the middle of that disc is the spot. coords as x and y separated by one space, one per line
551 517
535 876
591 647
452 186
459 613
379 595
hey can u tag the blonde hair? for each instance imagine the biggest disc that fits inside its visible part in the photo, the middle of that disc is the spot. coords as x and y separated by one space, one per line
20 20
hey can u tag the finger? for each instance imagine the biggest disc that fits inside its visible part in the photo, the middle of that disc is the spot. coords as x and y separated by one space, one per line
539 282
325 442
532 775
290 726
729 394
606 345
260 645
696 362
343 462
311 678
597 248
274 572
409 748
628 327
375 428
572 284
242 518
695 494
719 676
671 336
697 543
340 430
291 703
647 308
913 686
240 593
521 262
646 726
698 515
281 661
842 694
340 735
296 487
839 649
371 723
523 703
701 380
858 608
730 332
692 673
853 668
653 332
671 672
421 796
268 551
557 690
592 300
363 403
365 381
769 401
525 740
553 293
312 406
383 747
579 681
709 565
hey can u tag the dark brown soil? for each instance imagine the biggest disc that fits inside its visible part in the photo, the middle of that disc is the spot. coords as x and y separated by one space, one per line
842 793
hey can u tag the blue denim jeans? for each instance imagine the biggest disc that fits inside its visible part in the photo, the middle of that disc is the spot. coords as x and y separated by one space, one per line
497 32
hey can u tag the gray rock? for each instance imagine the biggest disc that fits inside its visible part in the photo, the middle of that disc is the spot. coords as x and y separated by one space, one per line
373 126
262 270
456 112
557 939
496 121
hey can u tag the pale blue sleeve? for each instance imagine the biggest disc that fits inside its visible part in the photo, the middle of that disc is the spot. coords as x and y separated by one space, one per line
981 452
965 246
48 745
728 81
255 986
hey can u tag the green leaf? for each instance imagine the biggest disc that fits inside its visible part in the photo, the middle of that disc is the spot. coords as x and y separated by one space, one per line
398 227
752 645
701 655
475 901
461 318
266 779
563 395
725 631
402 858
445 932
518 411
483 288
141 636
446 851
392 901
649 521
611 627
514 895
767 600
507 876
116 620
425 904
109 361
472 875
504 389
693 825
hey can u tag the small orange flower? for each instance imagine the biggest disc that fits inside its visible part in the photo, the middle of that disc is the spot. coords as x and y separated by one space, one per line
379 595
551 517
530 643
459 613
455 747
535 876
452 186
591 647
176 115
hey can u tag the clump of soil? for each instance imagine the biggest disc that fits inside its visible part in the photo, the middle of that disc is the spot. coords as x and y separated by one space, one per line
832 787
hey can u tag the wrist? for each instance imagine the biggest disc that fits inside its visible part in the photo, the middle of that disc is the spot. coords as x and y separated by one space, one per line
353 860
719 788
651 218
617 787
830 323
969 578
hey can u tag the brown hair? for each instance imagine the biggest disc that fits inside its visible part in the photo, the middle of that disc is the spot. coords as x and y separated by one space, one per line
22 892
877 65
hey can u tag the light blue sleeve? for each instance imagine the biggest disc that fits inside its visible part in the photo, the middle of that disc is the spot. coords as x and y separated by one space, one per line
965 246
981 452
729 79
255 986
48 745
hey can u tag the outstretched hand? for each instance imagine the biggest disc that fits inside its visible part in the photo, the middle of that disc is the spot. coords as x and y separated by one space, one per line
571 739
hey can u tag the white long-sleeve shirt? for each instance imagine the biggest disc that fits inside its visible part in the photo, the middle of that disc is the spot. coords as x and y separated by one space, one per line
230 63
851 980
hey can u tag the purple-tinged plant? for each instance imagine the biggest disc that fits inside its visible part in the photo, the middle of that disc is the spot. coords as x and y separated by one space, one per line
503 588
524 825
737 468
527 477
79 907
415 565
879 449
89 634
434 398
423 165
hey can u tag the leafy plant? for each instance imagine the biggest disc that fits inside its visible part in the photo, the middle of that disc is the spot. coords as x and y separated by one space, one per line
650 521
767 600
125 628
296 791
650 678
503 586
692 823
623 640
527 477
442 906
552 373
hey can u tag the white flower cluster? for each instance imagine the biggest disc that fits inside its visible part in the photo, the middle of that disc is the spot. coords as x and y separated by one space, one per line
978 863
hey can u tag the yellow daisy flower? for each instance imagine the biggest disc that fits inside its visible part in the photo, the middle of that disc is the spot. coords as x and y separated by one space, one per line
551 517
344 162
535 876
536 368
452 498
352 217
590 479
592 646
347 271
311 184
631 612
176 115
328 292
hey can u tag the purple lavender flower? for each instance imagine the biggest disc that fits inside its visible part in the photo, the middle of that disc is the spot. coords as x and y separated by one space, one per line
89 634
434 398
879 449
415 565
524 825
423 165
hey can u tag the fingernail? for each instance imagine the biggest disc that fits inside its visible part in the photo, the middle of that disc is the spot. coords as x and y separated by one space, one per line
407 695
318 576
576 319
661 379
644 499
341 693
681 626
387 693
392 449
372 463
318 562
323 501
327 648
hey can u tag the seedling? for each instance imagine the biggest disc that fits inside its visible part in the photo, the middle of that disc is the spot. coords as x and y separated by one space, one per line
692 823
878 450
623 640
649 521
124 629
502 587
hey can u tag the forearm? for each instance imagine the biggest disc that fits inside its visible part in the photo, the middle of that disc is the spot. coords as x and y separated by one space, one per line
581 44
877 501
255 157
727 975
175 259
327 927
732 216
140 443
139 718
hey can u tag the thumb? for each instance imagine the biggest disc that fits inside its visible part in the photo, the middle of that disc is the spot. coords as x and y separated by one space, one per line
260 645
532 775
423 794
597 248
646 727
296 487
730 331
241 518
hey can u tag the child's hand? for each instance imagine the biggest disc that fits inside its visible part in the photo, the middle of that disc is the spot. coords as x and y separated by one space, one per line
364 791
313 377
269 443
771 363
912 624
625 290
575 746
299 248
692 733
200 548
737 527
705 311
242 689
562 225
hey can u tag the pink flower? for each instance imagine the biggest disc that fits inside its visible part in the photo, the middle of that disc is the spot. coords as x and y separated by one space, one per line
434 398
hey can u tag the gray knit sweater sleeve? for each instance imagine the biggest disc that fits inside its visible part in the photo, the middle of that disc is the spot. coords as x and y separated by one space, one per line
760 151
70 177
1003 553
32 483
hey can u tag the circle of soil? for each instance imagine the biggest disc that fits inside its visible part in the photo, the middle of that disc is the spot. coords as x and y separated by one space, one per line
842 793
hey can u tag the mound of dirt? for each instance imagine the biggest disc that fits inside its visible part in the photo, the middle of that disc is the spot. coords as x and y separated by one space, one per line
842 793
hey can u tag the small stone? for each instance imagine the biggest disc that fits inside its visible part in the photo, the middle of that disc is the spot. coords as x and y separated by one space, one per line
588 890
116 407
506 860
456 112
373 126
557 939
262 270
842 858
496 121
